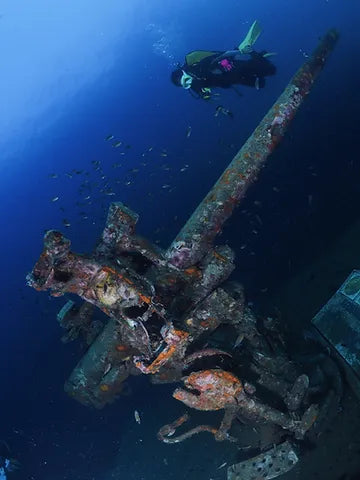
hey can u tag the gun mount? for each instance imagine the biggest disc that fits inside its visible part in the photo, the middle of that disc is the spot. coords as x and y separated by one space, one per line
164 306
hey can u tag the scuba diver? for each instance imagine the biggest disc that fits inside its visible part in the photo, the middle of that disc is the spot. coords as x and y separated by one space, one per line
203 70
7 464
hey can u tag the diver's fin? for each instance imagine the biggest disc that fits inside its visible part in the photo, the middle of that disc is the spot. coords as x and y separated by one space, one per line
251 37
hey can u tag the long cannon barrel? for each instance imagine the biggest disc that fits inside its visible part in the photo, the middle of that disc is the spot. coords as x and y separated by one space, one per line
198 234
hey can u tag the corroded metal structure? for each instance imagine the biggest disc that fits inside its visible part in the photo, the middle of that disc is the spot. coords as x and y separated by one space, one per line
199 232
170 314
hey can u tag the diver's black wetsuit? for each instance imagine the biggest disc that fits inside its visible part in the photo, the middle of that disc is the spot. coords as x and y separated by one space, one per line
249 70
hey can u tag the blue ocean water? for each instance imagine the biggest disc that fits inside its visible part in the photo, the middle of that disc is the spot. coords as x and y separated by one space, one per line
75 73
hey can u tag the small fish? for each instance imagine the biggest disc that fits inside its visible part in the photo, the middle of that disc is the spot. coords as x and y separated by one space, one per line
222 465
116 144
53 175
238 340
220 109
304 54
109 137
257 83
69 175
107 369
55 199
188 131
246 447
87 198
164 153
166 186
137 417
66 223
150 149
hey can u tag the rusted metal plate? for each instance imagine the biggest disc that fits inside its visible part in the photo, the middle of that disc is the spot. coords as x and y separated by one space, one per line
267 465
339 322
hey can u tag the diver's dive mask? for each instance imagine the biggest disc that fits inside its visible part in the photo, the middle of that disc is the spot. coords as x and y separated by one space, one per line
186 80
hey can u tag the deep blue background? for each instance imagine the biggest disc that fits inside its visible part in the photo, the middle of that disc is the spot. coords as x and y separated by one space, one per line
76 72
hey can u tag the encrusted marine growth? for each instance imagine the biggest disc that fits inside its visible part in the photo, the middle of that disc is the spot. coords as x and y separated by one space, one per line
156 310
173 316
217 389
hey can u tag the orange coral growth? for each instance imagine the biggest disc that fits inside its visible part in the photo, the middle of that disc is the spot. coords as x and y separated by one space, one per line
205 323
193 271
181 334
121 348
173 339
226 177
209 322
144 298
219 257
162 358
109 270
